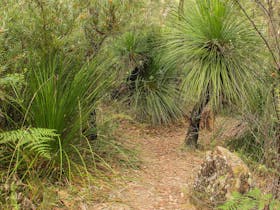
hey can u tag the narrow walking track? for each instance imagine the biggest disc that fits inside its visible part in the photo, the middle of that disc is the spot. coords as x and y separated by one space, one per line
165 176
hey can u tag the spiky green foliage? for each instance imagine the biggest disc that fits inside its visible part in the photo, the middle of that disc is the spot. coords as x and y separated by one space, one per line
48 43
61 96
133 49
254 199
218 51
156 97
150 89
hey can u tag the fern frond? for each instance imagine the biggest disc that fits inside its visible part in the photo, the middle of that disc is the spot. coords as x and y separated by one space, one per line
254 199
37 140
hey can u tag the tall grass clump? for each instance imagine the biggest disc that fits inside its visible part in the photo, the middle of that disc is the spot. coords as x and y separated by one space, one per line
149 89
61 96
50 144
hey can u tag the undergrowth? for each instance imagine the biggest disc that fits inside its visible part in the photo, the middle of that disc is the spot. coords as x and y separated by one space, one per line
148 89
254 199
26 152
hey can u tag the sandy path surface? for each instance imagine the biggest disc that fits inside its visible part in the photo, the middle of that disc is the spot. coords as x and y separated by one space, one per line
166 174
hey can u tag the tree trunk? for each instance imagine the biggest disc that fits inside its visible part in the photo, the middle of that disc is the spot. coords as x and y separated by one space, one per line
193 130
130 83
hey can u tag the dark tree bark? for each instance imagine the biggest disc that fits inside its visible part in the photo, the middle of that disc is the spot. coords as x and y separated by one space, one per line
193 130
130 83
131 79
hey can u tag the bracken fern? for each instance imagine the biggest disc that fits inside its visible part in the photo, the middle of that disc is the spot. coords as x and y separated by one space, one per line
254 199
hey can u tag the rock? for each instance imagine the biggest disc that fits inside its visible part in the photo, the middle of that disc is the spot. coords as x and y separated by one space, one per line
220 174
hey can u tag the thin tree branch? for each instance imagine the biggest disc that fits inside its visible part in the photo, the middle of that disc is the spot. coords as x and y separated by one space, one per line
260 34
272 24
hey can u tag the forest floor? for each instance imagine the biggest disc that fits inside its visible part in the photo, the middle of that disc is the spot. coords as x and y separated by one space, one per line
166 172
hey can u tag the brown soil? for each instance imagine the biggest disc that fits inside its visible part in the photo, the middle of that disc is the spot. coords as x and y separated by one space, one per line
166 174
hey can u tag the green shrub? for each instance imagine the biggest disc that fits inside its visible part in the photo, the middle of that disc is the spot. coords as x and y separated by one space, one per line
11 112
61 95
150 90
254 199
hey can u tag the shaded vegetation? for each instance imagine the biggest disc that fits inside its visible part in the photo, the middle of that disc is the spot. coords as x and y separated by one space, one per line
64 64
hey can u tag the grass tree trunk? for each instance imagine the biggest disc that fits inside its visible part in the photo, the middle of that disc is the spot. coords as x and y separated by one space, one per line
130 83
195 118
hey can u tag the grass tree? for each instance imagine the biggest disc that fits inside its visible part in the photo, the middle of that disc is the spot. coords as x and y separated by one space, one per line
218 50
149 89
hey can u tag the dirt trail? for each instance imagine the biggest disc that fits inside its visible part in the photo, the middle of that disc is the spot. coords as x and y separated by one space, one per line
167 171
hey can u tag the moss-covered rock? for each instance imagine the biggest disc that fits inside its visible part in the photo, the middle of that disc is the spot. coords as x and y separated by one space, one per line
221 173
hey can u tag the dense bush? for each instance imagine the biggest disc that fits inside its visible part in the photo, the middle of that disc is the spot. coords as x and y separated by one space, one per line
254 199
148 88
53 77
264 120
